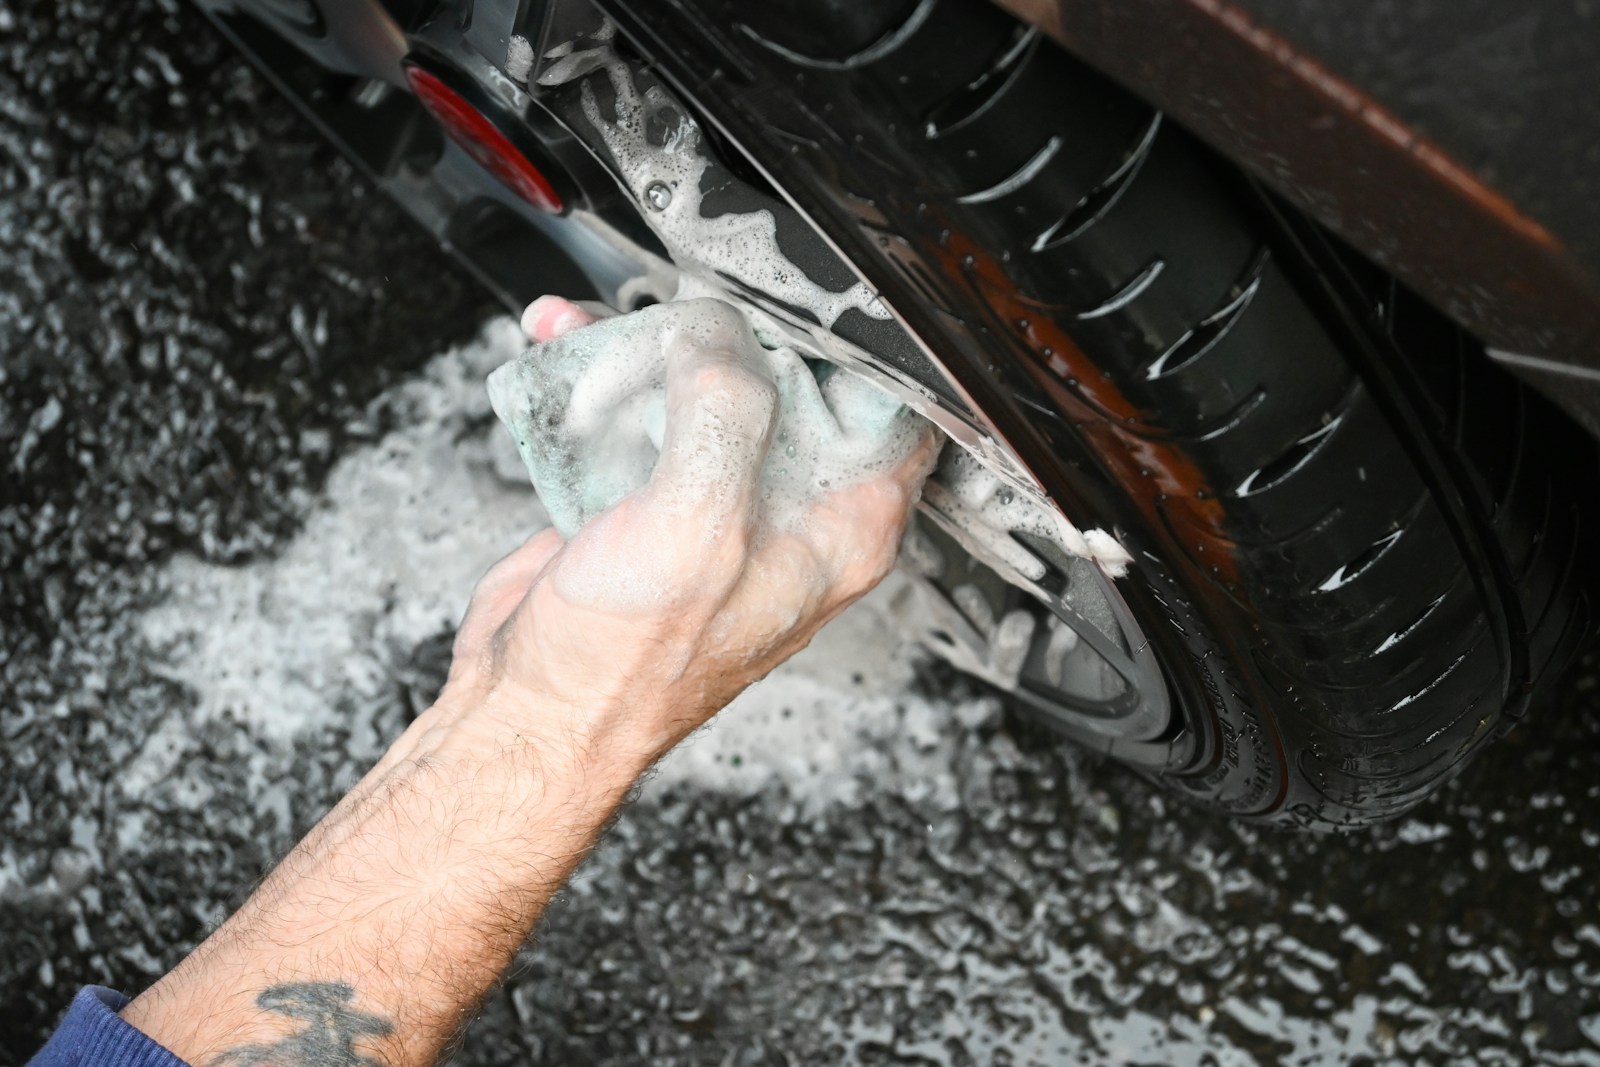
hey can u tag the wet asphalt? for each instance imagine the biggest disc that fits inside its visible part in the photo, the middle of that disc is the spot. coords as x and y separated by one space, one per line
203 309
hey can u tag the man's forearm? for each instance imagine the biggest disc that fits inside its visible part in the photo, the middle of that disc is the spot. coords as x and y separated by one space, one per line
377 936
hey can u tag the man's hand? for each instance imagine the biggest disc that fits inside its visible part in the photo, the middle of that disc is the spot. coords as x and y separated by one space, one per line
578 663
611 647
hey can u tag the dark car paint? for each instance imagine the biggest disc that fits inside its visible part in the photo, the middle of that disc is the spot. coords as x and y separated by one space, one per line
1455 144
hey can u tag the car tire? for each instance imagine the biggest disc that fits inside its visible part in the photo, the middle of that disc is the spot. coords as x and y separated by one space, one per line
1358 545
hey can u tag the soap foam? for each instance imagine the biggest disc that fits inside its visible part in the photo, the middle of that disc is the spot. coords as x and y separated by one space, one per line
589 414
975 504
664 178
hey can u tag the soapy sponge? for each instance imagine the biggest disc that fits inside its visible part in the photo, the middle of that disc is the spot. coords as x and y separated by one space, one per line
590 414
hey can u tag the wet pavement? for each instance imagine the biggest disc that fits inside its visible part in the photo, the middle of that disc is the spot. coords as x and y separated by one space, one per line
248 475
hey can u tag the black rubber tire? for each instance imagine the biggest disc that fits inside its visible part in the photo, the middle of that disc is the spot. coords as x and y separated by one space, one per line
1357 542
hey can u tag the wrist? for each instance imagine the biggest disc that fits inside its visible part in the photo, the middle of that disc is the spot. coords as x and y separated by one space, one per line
528 740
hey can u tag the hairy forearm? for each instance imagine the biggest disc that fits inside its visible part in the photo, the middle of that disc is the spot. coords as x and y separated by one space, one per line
377 936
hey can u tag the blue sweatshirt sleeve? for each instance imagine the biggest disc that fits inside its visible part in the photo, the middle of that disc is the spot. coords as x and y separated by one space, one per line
94 1035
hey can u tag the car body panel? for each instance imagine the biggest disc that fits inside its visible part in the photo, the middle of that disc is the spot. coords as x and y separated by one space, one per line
1456 145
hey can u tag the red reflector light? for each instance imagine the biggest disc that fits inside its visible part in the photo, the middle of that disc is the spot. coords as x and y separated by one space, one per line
483 141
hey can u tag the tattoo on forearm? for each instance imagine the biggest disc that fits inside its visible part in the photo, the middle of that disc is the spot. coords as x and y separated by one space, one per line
332 1027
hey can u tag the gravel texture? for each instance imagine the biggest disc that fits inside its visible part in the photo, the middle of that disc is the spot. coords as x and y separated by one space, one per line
249 474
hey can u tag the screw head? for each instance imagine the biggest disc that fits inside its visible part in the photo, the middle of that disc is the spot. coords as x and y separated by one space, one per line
658 195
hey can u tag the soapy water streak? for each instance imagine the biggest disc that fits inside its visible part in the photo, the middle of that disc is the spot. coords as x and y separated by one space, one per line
740 245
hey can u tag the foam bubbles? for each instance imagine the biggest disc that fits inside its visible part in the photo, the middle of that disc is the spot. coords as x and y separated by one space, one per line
975 505
658 154
590 414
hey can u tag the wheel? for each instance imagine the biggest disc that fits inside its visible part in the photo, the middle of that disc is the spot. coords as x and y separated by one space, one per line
1355 545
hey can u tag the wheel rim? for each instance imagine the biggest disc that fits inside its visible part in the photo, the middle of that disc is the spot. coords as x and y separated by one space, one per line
1067 643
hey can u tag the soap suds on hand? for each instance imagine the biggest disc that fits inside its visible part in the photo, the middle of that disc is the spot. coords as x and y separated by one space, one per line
973 503
589 411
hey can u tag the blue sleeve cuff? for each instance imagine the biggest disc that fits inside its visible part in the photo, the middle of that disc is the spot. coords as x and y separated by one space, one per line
94 1035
